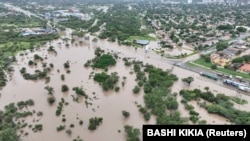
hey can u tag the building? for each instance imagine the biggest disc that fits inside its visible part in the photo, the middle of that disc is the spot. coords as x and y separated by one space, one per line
221 61
37 31
245 68
142 42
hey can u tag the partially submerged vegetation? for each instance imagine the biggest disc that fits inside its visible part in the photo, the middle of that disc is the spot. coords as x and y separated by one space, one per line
11 40
132 133
217 104
102 60
13 120
107 81
94 123
151 82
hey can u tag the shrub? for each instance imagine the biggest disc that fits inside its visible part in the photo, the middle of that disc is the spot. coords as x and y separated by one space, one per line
51 100
136 90
125 114
65 88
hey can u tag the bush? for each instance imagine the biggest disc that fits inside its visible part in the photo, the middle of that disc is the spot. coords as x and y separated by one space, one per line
80 122
65 88
66 65
136 90
94 123
51 100
64 120
146 116
60 128
125 114
104 61
62 77
72 126
117 88
132 133
80 91
140 83
214 67
107 81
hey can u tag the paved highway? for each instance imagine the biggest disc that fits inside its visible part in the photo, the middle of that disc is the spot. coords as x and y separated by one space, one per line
16 8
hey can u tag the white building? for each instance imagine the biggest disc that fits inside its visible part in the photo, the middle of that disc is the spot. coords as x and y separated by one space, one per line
213 1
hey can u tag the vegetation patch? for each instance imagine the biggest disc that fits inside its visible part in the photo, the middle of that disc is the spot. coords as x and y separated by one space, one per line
94 123
104 61
239 100
132 133
10 117
218 104
60 107
208 65
107 81
80 92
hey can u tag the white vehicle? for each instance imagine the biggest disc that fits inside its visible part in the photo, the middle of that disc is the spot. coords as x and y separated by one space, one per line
239 77
245 89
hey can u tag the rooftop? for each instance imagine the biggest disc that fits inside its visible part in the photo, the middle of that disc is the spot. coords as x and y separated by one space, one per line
245 68
221 61
142 42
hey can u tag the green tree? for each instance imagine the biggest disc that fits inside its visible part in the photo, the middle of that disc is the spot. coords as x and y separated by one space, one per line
188 80
126 114
136 89
221 45
95 40
65 88
132 133
8 134
238 60
49 89
94 123
241 29
214 67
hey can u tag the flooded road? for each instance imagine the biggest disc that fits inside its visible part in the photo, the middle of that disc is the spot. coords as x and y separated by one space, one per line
105 104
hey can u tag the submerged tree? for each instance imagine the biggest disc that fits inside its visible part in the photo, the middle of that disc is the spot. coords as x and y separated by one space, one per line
188 80
126 114
94 122
132 133
49 89
95 40
8 134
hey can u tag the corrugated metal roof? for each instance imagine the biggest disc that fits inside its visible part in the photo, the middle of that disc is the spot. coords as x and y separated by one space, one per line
142 42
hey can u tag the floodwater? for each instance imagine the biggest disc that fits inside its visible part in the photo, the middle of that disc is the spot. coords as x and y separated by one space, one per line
176 51
201 82
108 105
105 104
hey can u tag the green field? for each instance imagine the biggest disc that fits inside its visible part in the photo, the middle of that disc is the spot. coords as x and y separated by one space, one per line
201 62
132 38
24 45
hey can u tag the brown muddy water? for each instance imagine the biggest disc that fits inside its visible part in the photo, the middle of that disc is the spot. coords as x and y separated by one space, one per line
201 82
108 105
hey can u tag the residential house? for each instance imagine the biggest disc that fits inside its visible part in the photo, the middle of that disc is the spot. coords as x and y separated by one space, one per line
245 68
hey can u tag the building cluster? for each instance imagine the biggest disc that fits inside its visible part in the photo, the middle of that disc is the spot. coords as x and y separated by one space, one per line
208 1
37 31
224 57
67 13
